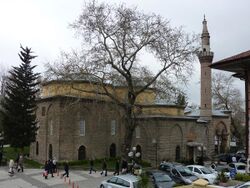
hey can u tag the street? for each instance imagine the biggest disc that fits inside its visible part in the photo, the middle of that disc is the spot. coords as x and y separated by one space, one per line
32 178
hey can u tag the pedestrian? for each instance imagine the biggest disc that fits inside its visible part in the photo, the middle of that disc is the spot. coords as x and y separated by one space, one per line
117 167
17 160
104 167
54 165
124 166
11 167
20 163
51 168
91 164
1 157
66 169
46 170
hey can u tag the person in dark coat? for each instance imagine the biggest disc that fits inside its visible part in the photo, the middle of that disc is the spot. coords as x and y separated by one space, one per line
46 170
124 166
104 167
66 169
51 166
117 167
91 163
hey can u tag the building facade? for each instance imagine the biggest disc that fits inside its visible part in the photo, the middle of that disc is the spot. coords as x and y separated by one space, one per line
75 125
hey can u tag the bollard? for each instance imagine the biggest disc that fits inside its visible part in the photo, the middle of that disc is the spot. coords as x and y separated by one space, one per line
57 172
64 179
69 181
73 184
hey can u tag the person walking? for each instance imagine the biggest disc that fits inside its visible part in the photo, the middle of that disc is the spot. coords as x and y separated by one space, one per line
104 167
46 170
11 167
51 168
20 163
66 169
117 167
91 163
124 166
54 165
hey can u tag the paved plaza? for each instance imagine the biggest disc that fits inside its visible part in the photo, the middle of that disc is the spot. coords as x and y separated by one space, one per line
32 178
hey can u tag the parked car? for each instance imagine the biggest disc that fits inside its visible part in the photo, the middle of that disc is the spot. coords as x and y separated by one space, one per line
243 185
122 181
162 180
221 169
239 167
179 173
224 157
203 173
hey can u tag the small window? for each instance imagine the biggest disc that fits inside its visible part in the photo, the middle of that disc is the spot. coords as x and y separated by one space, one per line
37 148
43 111
137 132
51 127
82 128
113 127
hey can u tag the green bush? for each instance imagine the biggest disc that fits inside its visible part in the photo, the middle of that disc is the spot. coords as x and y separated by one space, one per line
242 177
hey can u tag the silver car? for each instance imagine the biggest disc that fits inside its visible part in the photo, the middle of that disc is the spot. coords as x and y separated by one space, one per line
122 181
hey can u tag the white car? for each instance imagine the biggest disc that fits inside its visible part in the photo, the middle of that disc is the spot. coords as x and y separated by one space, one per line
203 173
239 167
122 181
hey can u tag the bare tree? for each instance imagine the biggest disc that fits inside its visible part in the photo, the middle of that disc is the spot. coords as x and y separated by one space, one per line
113 38
227 97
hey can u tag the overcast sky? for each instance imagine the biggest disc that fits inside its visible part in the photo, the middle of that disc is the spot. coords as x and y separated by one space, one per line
43 26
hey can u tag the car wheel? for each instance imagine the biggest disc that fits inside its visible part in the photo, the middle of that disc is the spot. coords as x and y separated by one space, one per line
101 186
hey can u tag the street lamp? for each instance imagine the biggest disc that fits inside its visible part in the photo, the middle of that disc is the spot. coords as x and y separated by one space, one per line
154 141
134 156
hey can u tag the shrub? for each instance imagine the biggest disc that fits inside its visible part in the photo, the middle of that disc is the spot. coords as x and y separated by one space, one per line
242 177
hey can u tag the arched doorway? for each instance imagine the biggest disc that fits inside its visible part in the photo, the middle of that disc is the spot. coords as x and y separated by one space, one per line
177 153
138 150
82 153
112 150
50 151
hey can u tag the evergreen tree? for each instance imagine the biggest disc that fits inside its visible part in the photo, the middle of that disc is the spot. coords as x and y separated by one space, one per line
19 105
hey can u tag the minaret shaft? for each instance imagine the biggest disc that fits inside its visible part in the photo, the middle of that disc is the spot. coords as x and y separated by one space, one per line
205 58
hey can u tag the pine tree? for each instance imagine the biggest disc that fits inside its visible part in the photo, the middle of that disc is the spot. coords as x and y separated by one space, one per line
19 103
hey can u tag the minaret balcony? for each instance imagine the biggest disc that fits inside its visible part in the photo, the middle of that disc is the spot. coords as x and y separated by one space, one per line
205 56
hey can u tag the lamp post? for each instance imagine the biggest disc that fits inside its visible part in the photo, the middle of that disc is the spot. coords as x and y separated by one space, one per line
154 141
134 156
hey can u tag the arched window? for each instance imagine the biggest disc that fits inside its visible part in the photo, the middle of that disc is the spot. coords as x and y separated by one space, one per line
50 151
112 150
37 148
82 153
177 153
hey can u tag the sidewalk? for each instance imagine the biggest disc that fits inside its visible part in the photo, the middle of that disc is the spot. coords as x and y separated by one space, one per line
32 178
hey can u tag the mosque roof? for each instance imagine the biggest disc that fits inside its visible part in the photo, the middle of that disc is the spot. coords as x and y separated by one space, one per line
196 113
236 64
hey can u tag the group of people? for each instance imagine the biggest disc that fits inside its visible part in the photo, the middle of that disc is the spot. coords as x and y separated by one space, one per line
124 167
17 165
50 167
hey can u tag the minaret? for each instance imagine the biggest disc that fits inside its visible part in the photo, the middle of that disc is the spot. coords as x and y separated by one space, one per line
205 58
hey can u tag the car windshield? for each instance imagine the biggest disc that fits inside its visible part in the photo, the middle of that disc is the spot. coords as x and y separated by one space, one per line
241 167
206 171
184 171
162 178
